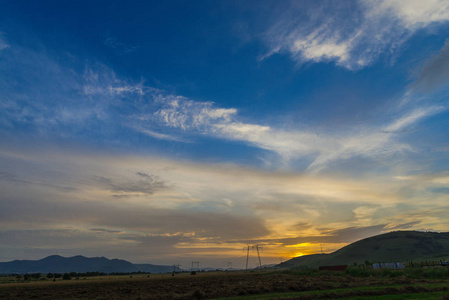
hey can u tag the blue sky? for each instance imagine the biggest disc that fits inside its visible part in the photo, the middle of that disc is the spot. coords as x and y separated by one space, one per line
173 131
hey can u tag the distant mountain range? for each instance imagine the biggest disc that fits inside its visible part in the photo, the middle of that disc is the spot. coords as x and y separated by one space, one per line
79 264
398 246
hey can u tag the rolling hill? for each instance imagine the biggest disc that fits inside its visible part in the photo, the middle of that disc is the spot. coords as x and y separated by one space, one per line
395 246
79 264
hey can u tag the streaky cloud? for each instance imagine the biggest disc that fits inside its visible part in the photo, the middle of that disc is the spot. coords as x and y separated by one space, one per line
435 72
162 136
375 28
103 100
371 141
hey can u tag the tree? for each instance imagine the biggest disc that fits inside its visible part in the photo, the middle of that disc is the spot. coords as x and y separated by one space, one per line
66 276
50 275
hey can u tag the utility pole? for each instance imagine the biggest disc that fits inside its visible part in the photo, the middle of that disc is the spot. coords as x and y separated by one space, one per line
230 265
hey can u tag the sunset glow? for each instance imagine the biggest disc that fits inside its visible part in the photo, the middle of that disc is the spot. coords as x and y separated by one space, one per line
176 131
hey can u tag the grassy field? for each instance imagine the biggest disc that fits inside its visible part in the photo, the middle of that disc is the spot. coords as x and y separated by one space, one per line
233 285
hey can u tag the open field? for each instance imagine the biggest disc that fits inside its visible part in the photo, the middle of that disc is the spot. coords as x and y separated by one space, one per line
236 285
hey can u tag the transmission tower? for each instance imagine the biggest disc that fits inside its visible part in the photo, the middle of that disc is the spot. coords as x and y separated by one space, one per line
258 255
256 248
197 264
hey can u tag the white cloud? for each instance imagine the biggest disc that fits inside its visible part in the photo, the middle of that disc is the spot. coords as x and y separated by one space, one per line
101 98
316 50
322 148
161 136
413 12
183 113
127 89
101 81
352 35
413 117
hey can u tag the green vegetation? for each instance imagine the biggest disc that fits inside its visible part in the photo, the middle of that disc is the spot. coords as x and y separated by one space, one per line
386 291
427 283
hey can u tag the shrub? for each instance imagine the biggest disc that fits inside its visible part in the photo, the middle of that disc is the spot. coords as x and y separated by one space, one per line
436 273
357 272
385 272
414 272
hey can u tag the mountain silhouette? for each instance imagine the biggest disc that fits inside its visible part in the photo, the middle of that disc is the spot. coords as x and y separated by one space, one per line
397 246
79 264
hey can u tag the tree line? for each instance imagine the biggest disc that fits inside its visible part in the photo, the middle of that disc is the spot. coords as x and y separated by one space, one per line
69 276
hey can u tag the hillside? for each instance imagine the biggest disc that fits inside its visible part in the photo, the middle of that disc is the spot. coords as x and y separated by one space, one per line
79 264
388 247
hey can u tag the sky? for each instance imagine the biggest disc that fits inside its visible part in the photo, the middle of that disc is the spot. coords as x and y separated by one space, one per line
168 132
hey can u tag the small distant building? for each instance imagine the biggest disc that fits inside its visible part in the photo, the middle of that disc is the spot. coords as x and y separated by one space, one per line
340 268
445 263
391 266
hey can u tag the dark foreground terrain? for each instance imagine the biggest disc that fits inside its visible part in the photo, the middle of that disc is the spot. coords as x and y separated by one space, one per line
267 285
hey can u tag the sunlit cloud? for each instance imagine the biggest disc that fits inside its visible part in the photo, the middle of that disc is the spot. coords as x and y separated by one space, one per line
96 162
199 206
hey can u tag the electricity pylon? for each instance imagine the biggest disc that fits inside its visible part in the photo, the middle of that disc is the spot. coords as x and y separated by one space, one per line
256 247
197 263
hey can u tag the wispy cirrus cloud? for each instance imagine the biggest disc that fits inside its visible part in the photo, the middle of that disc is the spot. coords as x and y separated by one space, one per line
434 72
119 47
98 103
413 13
161 136
184 113
321 148
353 34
